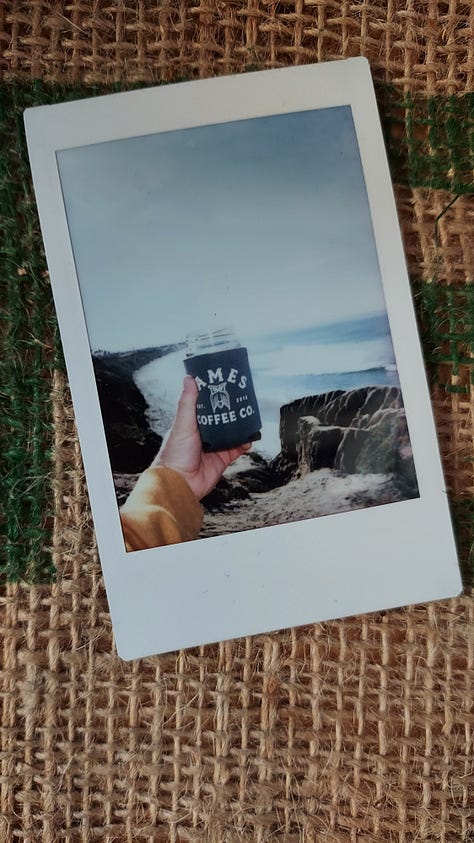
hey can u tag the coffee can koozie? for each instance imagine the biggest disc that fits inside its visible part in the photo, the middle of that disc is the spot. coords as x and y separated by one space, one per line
227 409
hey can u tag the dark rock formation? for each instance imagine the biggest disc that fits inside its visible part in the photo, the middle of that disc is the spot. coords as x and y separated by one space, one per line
362 431
131 443
250 473
376 447
316 445
124 483
225 492
337 408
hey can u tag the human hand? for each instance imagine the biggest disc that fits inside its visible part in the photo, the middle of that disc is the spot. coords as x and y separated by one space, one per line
182 447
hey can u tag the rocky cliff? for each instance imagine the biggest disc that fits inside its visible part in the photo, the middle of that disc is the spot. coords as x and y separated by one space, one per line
130 441
361 431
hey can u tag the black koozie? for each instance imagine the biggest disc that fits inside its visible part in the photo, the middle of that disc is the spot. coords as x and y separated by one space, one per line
227 410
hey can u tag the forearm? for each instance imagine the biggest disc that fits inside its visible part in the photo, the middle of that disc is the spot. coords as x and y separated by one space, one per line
160 510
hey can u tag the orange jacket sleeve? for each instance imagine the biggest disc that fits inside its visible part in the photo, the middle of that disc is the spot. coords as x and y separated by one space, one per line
161 509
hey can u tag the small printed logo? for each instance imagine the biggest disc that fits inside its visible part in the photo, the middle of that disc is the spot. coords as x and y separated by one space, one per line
219 396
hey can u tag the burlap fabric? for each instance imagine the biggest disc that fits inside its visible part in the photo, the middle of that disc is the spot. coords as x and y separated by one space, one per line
348 732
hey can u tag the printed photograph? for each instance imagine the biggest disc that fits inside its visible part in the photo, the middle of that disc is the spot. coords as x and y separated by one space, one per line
237 324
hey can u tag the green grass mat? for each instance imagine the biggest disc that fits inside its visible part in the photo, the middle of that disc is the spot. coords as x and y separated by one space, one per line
430 144
446 321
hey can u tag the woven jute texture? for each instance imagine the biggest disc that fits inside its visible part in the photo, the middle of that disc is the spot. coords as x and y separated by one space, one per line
355 731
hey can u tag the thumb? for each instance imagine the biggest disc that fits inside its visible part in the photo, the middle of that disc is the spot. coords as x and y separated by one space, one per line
185 422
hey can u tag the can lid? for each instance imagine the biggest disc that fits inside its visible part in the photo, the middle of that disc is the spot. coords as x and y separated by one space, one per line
207 342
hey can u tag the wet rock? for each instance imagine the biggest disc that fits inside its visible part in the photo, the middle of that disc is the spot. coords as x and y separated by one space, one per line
131 443
316 445
375 448
352 408
250 473
225 492
361 431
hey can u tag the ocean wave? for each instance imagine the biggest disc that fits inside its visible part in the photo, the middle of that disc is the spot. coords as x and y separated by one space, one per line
318 359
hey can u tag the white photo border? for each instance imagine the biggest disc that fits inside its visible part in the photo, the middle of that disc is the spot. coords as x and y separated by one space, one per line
239 584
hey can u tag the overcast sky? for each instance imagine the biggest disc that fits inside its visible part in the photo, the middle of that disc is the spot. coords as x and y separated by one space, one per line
258 224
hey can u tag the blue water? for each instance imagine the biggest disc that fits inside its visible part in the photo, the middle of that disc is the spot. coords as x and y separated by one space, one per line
292 364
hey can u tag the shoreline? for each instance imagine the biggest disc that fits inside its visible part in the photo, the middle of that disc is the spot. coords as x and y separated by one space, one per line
315 495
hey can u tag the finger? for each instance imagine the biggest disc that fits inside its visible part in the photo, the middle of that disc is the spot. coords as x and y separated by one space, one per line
189 386
243 449
235 453
185 420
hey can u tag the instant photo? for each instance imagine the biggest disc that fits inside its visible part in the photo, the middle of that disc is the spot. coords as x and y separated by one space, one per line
243 354
243 254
